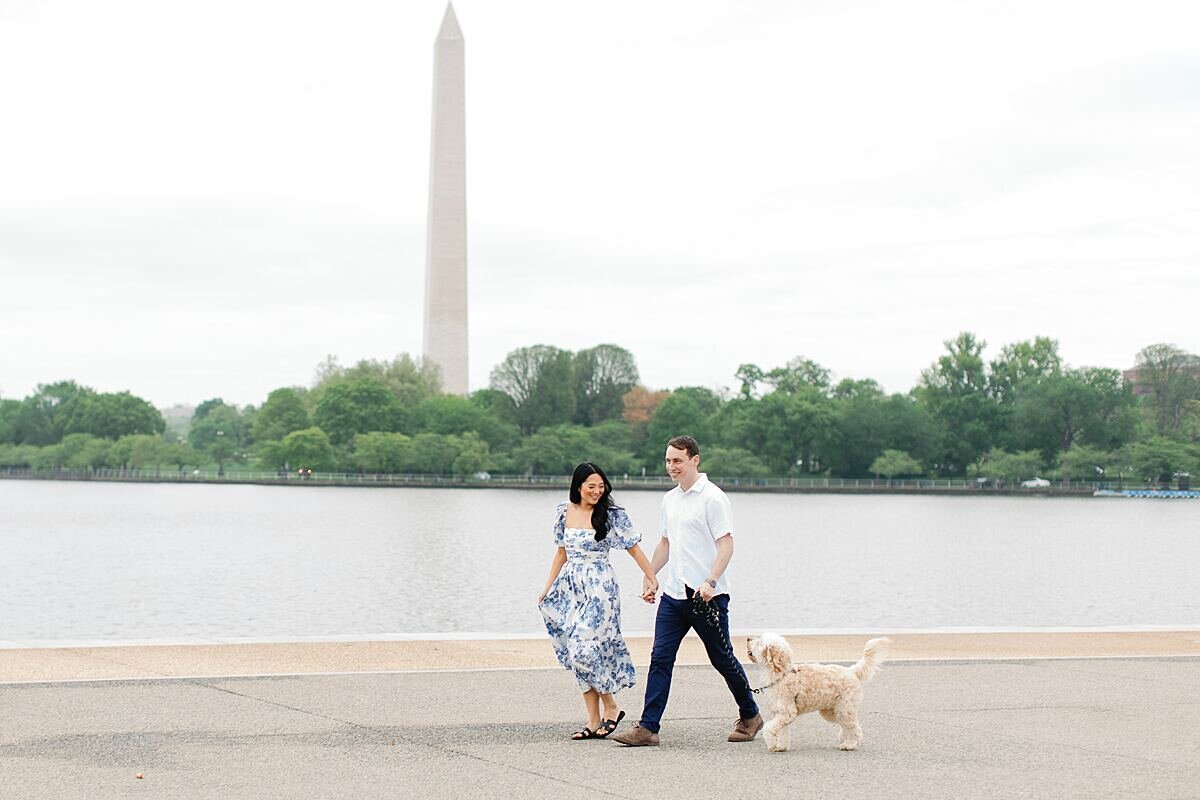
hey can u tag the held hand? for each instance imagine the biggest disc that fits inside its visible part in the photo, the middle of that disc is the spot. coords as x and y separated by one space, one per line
706 591
649 589
542 596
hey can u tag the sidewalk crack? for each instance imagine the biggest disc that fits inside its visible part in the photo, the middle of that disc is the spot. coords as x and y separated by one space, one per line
392 736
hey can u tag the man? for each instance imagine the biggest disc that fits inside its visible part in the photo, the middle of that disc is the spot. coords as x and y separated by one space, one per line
696 545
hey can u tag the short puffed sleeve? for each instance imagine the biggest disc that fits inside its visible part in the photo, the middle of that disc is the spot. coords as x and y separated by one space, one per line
560 525
620 530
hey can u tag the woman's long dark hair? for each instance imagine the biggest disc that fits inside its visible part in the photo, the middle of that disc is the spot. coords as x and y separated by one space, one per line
602 507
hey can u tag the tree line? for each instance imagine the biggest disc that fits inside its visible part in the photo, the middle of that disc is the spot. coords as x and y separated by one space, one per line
1021 414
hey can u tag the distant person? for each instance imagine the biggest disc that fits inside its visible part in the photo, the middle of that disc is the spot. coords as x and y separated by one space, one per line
581 603
696 545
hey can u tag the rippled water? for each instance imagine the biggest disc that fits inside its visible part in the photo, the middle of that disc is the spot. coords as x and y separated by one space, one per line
119 562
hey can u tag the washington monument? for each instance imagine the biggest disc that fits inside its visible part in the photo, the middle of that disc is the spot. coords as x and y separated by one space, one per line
445 342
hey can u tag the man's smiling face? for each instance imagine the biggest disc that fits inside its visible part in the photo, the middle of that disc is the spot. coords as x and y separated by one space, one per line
680 467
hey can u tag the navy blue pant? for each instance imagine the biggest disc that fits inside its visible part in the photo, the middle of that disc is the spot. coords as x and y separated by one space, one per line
675 618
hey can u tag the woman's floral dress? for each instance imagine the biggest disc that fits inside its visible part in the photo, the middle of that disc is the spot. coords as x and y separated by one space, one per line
583 607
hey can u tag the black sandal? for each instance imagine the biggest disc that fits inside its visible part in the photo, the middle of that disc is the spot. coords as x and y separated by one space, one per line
608 726
583 733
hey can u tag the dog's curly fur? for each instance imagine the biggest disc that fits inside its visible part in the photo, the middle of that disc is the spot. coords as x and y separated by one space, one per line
833 690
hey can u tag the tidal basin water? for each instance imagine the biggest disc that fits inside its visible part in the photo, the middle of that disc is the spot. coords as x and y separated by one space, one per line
107 562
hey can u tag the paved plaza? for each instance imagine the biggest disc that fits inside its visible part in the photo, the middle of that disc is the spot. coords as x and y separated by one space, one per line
1045 728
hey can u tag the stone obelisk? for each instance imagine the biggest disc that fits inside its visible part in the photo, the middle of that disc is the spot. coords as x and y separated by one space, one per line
445 342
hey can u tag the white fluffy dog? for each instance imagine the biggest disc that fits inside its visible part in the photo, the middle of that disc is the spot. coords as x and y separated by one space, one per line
793 690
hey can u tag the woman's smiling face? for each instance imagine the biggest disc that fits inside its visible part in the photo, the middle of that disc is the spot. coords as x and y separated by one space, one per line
592 489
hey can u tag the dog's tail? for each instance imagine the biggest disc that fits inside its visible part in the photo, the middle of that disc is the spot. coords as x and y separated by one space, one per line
873 655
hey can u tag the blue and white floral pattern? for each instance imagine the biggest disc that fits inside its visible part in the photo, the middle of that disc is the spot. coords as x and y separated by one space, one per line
583 607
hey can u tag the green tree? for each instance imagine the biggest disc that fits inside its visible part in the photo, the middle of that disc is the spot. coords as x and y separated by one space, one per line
50 457
283 413
83 451
111 416
381 452
1021 363
894 464
349 408
121 453
33 424
955 391
42 416
559 449
1157 460
861 427
1054 412
425 453
540 382
784 428
603 376
433 454
866 422
1190 429
1172 377
9 409
686 411
308 449
1114 413
450 414
498 404
139 451
179 455
473 456
724 425
218 432
1000 464
749 377
852 389
733 462
205 407
17 455
613 434
409 380
798 375
553 451
146 451
1086 463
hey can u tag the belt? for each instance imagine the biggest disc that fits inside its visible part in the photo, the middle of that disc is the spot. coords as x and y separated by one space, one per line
587 556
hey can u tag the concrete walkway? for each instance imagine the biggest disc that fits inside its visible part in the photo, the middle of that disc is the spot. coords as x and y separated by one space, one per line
23 663
1046 728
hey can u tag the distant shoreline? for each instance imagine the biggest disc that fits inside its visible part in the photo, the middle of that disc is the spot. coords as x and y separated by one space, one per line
957 488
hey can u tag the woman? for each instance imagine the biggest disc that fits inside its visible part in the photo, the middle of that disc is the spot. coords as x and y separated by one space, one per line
582 605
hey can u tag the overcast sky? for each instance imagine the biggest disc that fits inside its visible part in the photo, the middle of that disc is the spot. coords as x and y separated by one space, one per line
206 199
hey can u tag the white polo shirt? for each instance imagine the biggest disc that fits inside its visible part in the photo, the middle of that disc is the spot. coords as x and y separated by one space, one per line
692 521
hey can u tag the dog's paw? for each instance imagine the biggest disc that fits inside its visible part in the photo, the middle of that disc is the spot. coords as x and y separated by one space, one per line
777 747
848 746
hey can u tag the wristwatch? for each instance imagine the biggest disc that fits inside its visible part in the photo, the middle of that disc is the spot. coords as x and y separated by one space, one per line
711 582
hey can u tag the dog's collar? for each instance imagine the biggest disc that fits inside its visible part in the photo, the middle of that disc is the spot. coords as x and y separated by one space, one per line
761 689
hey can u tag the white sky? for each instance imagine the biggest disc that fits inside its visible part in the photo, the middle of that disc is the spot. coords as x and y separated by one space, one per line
205 199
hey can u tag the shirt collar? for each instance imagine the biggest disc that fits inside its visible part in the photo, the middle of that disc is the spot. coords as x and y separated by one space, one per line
699 485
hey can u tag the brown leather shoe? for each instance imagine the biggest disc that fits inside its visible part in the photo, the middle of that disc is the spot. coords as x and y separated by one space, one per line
746 729
637 736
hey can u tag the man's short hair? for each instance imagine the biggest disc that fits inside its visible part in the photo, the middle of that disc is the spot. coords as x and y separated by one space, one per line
685 443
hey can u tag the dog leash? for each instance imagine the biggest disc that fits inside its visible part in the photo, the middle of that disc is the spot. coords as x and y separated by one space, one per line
712 616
